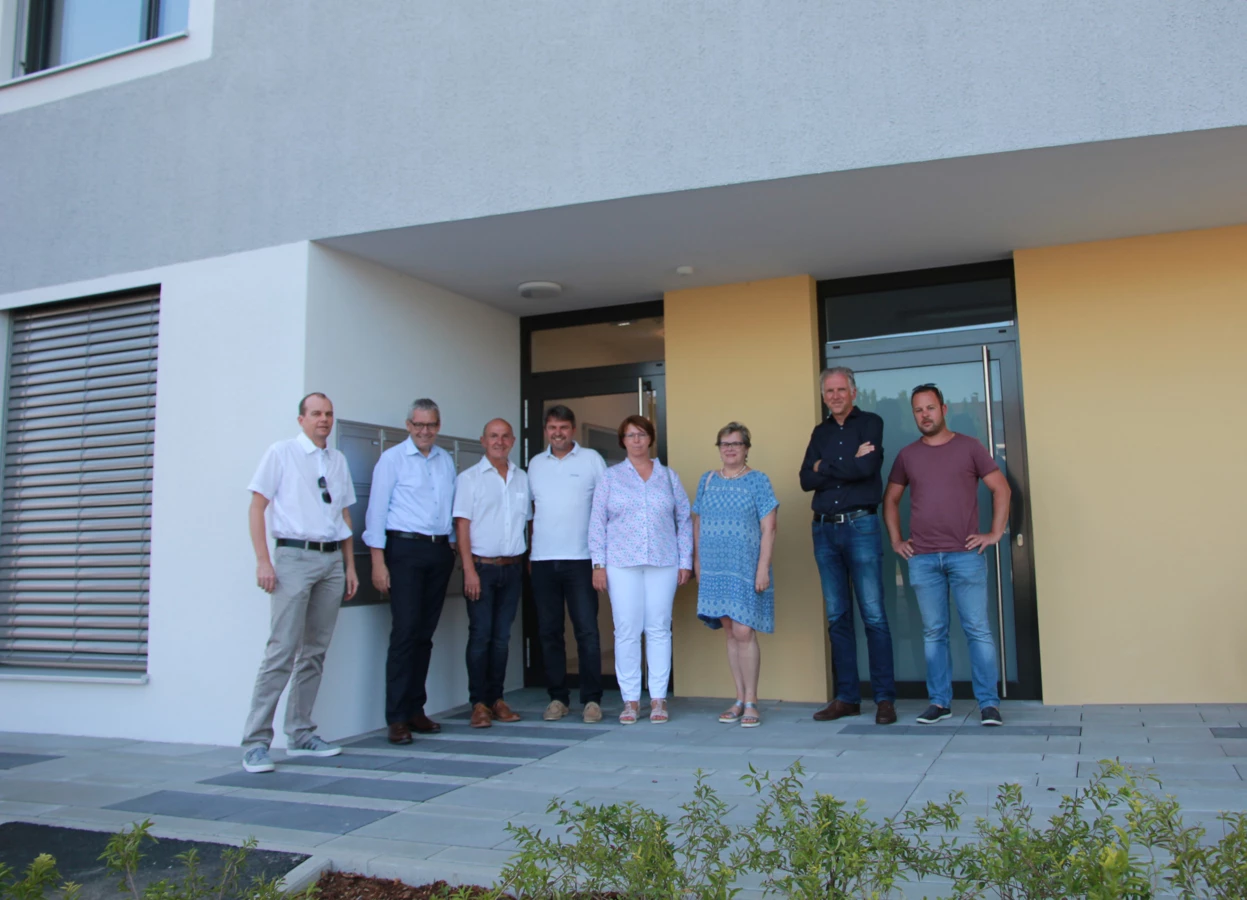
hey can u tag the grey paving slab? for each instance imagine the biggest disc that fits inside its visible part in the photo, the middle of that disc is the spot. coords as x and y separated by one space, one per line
357 847
1197 771
469 748
181 803
554 731
495 798
70 792
431 827
899 730
344 760
305 816
13 760
458 767
383 789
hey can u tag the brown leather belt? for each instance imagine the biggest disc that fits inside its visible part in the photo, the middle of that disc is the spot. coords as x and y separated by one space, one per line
496 560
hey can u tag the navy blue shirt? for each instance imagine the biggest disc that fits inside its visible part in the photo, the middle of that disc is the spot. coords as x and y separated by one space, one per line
844 481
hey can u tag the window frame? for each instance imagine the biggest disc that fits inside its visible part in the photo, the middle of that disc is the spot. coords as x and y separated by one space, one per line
34 36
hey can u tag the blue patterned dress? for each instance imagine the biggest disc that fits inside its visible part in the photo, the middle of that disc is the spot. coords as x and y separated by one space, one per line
731 513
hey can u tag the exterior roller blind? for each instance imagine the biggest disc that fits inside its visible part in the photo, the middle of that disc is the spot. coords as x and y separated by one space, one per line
75 532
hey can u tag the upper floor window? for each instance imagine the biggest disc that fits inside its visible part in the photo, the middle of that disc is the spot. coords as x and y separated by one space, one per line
61 32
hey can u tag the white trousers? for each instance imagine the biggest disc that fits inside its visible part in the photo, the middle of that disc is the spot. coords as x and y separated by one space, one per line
641 599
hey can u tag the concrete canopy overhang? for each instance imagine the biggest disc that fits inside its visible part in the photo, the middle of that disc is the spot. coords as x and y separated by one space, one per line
839 224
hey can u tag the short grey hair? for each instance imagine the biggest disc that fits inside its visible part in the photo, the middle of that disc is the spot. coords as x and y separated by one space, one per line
424 404
734 428
836 370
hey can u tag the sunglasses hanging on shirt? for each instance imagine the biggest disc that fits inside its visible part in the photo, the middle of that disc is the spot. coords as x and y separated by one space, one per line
324 489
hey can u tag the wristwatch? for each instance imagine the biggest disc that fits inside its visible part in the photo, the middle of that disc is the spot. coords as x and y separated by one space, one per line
599 565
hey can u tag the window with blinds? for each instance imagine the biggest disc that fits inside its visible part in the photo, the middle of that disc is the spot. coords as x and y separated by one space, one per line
75 531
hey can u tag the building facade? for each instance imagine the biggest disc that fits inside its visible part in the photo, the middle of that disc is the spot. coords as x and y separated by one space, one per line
211 207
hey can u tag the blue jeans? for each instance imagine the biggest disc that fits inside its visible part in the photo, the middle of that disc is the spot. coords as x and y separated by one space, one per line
933 576
853 552
489 631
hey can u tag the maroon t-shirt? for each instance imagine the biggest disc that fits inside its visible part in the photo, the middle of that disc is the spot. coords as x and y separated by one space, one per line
943 491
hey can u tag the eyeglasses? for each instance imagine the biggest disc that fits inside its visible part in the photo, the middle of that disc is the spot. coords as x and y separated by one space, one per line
424 426
324 489
731 445
635 436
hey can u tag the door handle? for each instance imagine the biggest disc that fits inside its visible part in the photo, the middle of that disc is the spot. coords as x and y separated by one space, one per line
1000 592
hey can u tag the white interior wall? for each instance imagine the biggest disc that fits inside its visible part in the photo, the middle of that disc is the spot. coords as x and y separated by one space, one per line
232 341
376 340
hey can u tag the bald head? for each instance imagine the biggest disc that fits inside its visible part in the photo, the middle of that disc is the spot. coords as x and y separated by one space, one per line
497 439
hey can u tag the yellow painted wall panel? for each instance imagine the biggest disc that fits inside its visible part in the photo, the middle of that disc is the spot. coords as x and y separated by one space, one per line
748 352
1135 372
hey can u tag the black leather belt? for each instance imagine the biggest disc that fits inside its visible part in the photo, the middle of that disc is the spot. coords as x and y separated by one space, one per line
322 546
841 518
417 536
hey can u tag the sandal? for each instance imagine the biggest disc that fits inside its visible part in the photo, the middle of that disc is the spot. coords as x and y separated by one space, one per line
629 714
732 713
658 711
750 718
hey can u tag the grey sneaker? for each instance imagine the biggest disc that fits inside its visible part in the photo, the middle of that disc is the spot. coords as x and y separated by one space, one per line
257 760
555 711
313 745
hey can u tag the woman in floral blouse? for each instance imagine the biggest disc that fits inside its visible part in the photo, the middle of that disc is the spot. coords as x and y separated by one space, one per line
641 543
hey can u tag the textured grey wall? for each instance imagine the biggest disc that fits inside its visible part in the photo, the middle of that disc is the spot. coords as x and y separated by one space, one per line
317 118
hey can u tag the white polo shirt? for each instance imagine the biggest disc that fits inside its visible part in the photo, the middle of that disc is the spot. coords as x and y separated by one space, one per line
288 475
562 492
497 509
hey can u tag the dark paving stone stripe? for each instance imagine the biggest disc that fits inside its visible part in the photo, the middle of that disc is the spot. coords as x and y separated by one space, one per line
279 813
1219 732
971 729
423 765
13 760
469 748
379 788
552 731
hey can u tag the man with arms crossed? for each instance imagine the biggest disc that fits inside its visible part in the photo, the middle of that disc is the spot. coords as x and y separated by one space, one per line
945 549
841 467
305 488
562 480
491 511
409 533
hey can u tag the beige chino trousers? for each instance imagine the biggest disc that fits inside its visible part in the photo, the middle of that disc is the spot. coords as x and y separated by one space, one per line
305 602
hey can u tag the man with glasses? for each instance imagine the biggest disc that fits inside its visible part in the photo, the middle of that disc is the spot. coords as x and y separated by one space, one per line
842 467
409 533
303 488
945 548
562 480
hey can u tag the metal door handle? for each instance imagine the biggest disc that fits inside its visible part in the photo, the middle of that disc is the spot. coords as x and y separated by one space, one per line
1000 594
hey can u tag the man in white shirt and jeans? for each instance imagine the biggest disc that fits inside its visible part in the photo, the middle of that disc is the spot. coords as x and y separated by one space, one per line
562 480
491 509
305 489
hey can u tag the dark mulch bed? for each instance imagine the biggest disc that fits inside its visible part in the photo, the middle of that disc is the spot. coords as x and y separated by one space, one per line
77 853
348 886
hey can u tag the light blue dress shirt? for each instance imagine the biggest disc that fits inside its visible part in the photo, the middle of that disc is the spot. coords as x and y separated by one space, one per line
410 492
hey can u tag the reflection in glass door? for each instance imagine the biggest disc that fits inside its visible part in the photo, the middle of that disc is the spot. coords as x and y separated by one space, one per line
886 371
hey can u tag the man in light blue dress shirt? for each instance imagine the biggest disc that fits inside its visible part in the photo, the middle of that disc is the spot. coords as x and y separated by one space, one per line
409 530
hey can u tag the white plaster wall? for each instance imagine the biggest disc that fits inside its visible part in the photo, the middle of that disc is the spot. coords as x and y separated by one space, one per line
376 340
229 375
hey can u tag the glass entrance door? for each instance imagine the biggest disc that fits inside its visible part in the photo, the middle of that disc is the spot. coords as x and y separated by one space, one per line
978 374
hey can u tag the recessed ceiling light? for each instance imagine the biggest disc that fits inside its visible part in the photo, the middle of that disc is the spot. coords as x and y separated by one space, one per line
622 324
540 290
684 270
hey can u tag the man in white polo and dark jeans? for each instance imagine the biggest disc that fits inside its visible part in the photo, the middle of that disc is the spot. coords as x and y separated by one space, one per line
562 480
304 487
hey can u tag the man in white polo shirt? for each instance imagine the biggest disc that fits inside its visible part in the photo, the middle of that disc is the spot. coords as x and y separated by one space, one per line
305 489
562 480
491 509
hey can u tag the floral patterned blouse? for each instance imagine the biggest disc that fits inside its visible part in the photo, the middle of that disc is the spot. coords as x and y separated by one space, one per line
640 523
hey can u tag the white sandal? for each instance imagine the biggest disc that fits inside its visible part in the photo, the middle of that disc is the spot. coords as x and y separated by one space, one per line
630 710
658 711
750 718
732 713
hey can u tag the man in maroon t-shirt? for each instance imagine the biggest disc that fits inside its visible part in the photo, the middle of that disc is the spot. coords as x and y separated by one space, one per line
945 548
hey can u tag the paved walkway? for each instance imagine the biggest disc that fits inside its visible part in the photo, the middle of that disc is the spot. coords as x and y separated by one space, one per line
439 808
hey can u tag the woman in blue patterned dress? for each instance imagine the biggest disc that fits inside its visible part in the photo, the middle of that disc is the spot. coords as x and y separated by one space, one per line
734 518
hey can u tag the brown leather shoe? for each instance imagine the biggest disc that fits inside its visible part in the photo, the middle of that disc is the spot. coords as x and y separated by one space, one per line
481 716
837 709
504 713
885 712
422 724
399 733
